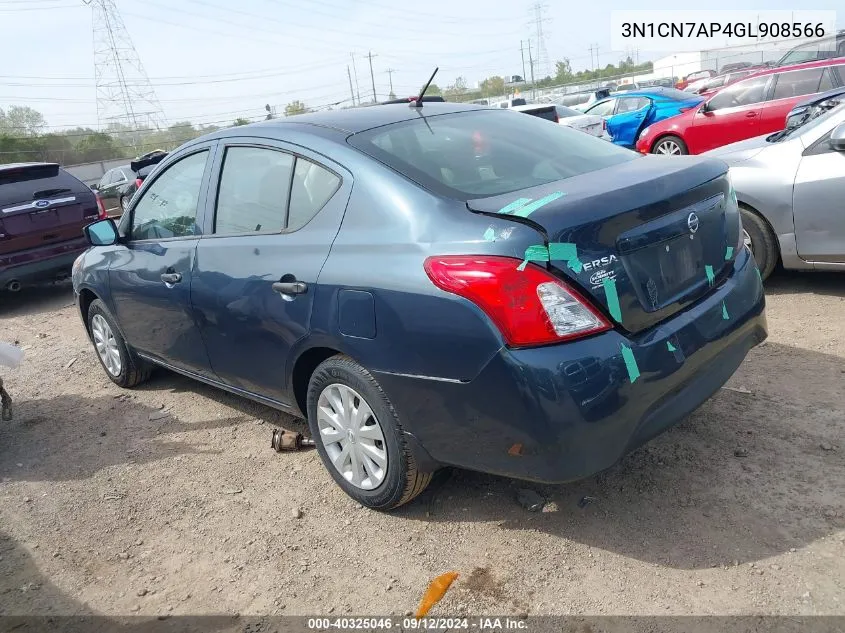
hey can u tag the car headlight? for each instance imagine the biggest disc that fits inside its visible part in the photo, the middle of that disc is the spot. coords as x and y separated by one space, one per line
644 133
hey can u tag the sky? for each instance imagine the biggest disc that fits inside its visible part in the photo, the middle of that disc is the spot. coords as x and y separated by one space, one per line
210 61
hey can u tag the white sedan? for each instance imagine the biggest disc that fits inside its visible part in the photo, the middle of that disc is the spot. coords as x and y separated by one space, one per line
589 123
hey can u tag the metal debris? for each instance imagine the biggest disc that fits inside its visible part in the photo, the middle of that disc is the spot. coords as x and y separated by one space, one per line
530 500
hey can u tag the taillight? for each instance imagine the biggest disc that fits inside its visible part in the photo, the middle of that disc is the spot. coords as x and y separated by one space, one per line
138 182
101 215
530 306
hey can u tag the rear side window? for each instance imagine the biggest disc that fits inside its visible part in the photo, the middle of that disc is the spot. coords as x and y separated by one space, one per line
486 153
743 93
631 104
28 183
253 195
797 83
311 189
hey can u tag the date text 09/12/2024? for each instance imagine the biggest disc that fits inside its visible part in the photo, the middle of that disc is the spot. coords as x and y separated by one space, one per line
419 624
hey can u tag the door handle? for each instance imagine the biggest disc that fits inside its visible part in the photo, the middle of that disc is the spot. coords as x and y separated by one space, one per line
290 287
171 278
750 115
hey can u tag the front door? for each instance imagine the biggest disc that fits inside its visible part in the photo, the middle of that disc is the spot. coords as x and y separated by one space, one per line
150 277
732 114
818 206
255 275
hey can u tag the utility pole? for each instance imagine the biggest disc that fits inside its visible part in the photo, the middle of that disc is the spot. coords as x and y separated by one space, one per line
355 72
531 63
390 72
372 77
351 91
522 53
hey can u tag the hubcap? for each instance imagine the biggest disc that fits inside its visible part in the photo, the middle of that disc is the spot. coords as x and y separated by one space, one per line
746 239
106 345
352 436
669 148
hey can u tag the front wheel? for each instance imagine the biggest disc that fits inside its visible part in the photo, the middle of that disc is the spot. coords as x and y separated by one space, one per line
670 146
359 436
760 240
123 367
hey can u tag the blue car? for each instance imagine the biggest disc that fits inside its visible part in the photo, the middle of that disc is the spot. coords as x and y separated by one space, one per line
432 286
630 113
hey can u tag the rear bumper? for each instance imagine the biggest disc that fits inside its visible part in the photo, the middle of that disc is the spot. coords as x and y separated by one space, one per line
573 409
40 263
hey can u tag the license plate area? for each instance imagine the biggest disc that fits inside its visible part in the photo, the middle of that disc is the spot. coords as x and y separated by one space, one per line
667 271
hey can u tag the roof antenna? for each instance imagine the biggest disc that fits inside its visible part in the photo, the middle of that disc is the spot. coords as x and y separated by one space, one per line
418 102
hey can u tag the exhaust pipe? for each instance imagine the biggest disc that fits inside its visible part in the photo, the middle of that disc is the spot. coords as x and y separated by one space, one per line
13 286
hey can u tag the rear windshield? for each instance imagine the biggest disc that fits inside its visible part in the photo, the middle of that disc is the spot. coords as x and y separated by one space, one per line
486 152
543 113
28 183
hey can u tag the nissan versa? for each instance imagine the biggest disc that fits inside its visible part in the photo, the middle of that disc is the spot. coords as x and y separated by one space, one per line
432 286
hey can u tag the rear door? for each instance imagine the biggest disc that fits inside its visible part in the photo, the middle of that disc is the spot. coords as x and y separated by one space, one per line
733 115
628 119
276 215
40 205
108 190
789 89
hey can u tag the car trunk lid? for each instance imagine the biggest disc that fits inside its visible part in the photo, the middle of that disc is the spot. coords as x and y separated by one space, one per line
40 204
650 236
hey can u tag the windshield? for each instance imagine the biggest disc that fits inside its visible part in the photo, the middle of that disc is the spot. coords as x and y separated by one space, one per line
486 153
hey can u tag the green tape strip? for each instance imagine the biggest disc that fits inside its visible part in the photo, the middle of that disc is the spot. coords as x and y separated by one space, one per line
630 363
536 253
513 206
670 347
725 314
759 274
612 299
729 252
490 235
708 269
526 210
567 252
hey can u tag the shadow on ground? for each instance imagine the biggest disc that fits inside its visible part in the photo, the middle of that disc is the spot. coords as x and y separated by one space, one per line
789 282
37 299
746 477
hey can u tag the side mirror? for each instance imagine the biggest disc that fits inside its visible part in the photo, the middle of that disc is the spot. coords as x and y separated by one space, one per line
95 186
705 107
837 138
101 233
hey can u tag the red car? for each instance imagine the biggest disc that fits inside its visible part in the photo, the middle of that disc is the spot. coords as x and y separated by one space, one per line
697 75
750 107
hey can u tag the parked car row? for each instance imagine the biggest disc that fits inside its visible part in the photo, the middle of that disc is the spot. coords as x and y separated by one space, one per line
118 185
446 285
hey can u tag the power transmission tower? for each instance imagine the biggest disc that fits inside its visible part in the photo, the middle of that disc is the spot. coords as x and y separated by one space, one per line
542 58
124 92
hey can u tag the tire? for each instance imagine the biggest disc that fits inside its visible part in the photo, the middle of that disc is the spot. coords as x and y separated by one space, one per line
378 488
105 334
670 142
763 243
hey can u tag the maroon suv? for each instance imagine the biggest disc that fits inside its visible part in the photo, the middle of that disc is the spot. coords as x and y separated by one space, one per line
42 212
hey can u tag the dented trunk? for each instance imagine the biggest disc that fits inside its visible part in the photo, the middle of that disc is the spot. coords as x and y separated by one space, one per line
644 239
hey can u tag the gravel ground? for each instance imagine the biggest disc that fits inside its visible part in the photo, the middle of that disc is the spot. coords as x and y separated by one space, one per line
169 499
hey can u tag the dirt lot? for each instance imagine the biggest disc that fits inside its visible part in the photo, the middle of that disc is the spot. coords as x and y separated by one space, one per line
169 499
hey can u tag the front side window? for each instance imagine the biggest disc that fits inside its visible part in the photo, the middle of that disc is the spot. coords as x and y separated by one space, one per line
168 208
743 93
253 194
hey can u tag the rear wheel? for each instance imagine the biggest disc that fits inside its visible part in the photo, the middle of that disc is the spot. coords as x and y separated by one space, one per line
123 367
359 437
760 240
670 146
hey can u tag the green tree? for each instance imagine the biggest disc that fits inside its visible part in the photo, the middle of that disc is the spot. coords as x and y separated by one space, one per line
96 146
563 71
240 121
21 121
295 107
457 90
493 86
433 89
